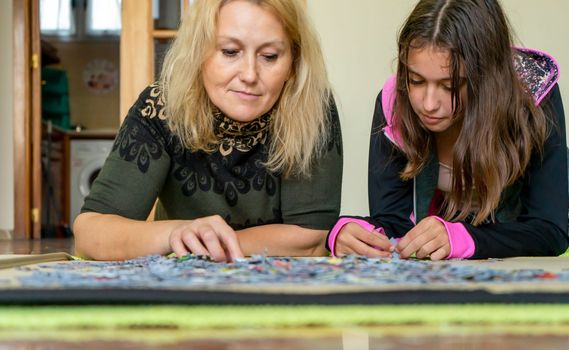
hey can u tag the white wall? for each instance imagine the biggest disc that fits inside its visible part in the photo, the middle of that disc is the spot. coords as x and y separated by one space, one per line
358 38
359 43
6 119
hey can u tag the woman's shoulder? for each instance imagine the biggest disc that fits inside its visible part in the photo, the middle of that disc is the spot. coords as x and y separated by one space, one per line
538 71
150 103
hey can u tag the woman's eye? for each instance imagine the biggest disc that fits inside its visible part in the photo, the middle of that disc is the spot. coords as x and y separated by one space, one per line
415 82
229 52
447 87
270 57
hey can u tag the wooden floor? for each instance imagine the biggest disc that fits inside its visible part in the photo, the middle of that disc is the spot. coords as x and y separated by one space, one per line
450 337
306 339
36 246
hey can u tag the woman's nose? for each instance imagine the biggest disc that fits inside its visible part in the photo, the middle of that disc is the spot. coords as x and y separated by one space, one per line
248 71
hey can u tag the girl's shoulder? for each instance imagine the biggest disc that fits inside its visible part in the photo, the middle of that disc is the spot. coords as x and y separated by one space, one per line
538 71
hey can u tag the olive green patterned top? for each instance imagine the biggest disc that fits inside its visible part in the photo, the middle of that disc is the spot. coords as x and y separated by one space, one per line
147 161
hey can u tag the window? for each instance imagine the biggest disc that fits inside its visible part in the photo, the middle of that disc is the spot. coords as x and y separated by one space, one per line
78 19
56 17
103 17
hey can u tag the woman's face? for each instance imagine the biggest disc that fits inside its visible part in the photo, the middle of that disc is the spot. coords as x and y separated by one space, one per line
430 87
252 60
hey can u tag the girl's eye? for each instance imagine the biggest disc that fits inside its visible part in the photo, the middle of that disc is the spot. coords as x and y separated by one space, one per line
229 52
415 81
447 87
270 57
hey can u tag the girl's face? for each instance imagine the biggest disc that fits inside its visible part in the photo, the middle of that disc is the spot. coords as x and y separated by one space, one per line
252 59
430 87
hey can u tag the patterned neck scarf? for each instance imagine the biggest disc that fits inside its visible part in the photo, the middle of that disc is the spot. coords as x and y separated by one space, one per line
240 136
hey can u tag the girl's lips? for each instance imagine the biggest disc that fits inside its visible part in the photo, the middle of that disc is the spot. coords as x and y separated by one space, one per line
431 120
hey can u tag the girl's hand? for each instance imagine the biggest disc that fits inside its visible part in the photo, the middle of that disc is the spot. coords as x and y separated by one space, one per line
428 238
354 239
210 236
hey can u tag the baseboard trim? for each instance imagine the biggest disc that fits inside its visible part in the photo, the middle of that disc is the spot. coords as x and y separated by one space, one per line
5 234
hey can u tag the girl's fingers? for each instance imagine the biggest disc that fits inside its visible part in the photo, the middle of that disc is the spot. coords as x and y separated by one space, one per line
440 254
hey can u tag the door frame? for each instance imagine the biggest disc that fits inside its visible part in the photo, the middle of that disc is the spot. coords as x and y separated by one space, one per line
27 119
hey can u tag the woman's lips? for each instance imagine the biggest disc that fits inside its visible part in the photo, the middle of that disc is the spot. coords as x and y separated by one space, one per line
248 96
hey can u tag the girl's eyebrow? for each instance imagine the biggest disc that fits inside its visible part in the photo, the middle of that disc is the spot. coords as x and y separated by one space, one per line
461 79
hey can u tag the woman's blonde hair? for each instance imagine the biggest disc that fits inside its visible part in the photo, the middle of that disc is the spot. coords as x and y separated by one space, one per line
299 118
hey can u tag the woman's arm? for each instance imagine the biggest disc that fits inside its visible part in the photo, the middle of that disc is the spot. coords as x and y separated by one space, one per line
282 240
309 206
112 237
124 238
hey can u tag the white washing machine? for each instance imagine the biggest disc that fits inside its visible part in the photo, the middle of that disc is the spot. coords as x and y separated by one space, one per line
87 157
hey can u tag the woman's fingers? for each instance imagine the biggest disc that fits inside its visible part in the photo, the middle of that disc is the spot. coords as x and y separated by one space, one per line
209 236
211 240
177 245
193 243
229 239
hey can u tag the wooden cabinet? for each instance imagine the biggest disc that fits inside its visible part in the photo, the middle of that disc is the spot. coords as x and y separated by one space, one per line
137 49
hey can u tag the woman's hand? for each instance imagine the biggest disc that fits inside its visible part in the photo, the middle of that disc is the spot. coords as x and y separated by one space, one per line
354 239
210 236
428 238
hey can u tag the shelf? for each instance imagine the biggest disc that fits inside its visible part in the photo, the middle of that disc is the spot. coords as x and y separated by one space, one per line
164 34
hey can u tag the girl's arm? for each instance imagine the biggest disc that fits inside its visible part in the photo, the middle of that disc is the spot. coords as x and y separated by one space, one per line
541 229
390 198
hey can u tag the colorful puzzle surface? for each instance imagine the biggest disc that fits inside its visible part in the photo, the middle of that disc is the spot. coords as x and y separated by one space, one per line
292 276
169 272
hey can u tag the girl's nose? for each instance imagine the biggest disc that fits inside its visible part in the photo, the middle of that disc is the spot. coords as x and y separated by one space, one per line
431 100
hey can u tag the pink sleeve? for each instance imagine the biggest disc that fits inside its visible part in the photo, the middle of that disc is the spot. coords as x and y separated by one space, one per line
461 243
338 227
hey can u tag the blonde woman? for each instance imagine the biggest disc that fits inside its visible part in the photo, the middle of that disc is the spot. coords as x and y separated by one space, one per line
239 141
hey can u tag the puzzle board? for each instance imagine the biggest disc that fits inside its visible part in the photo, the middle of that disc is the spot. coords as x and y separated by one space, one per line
268 280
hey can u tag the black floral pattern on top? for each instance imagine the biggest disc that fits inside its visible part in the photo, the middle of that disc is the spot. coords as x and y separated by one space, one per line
237 165
230 175
277 219
137 143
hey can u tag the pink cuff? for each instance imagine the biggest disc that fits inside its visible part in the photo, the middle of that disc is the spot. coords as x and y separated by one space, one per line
338 227
461 243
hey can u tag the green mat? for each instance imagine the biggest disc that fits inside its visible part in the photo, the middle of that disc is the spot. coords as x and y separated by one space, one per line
233 317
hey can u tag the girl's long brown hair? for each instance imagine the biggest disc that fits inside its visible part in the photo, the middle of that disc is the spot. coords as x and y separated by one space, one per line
501 127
